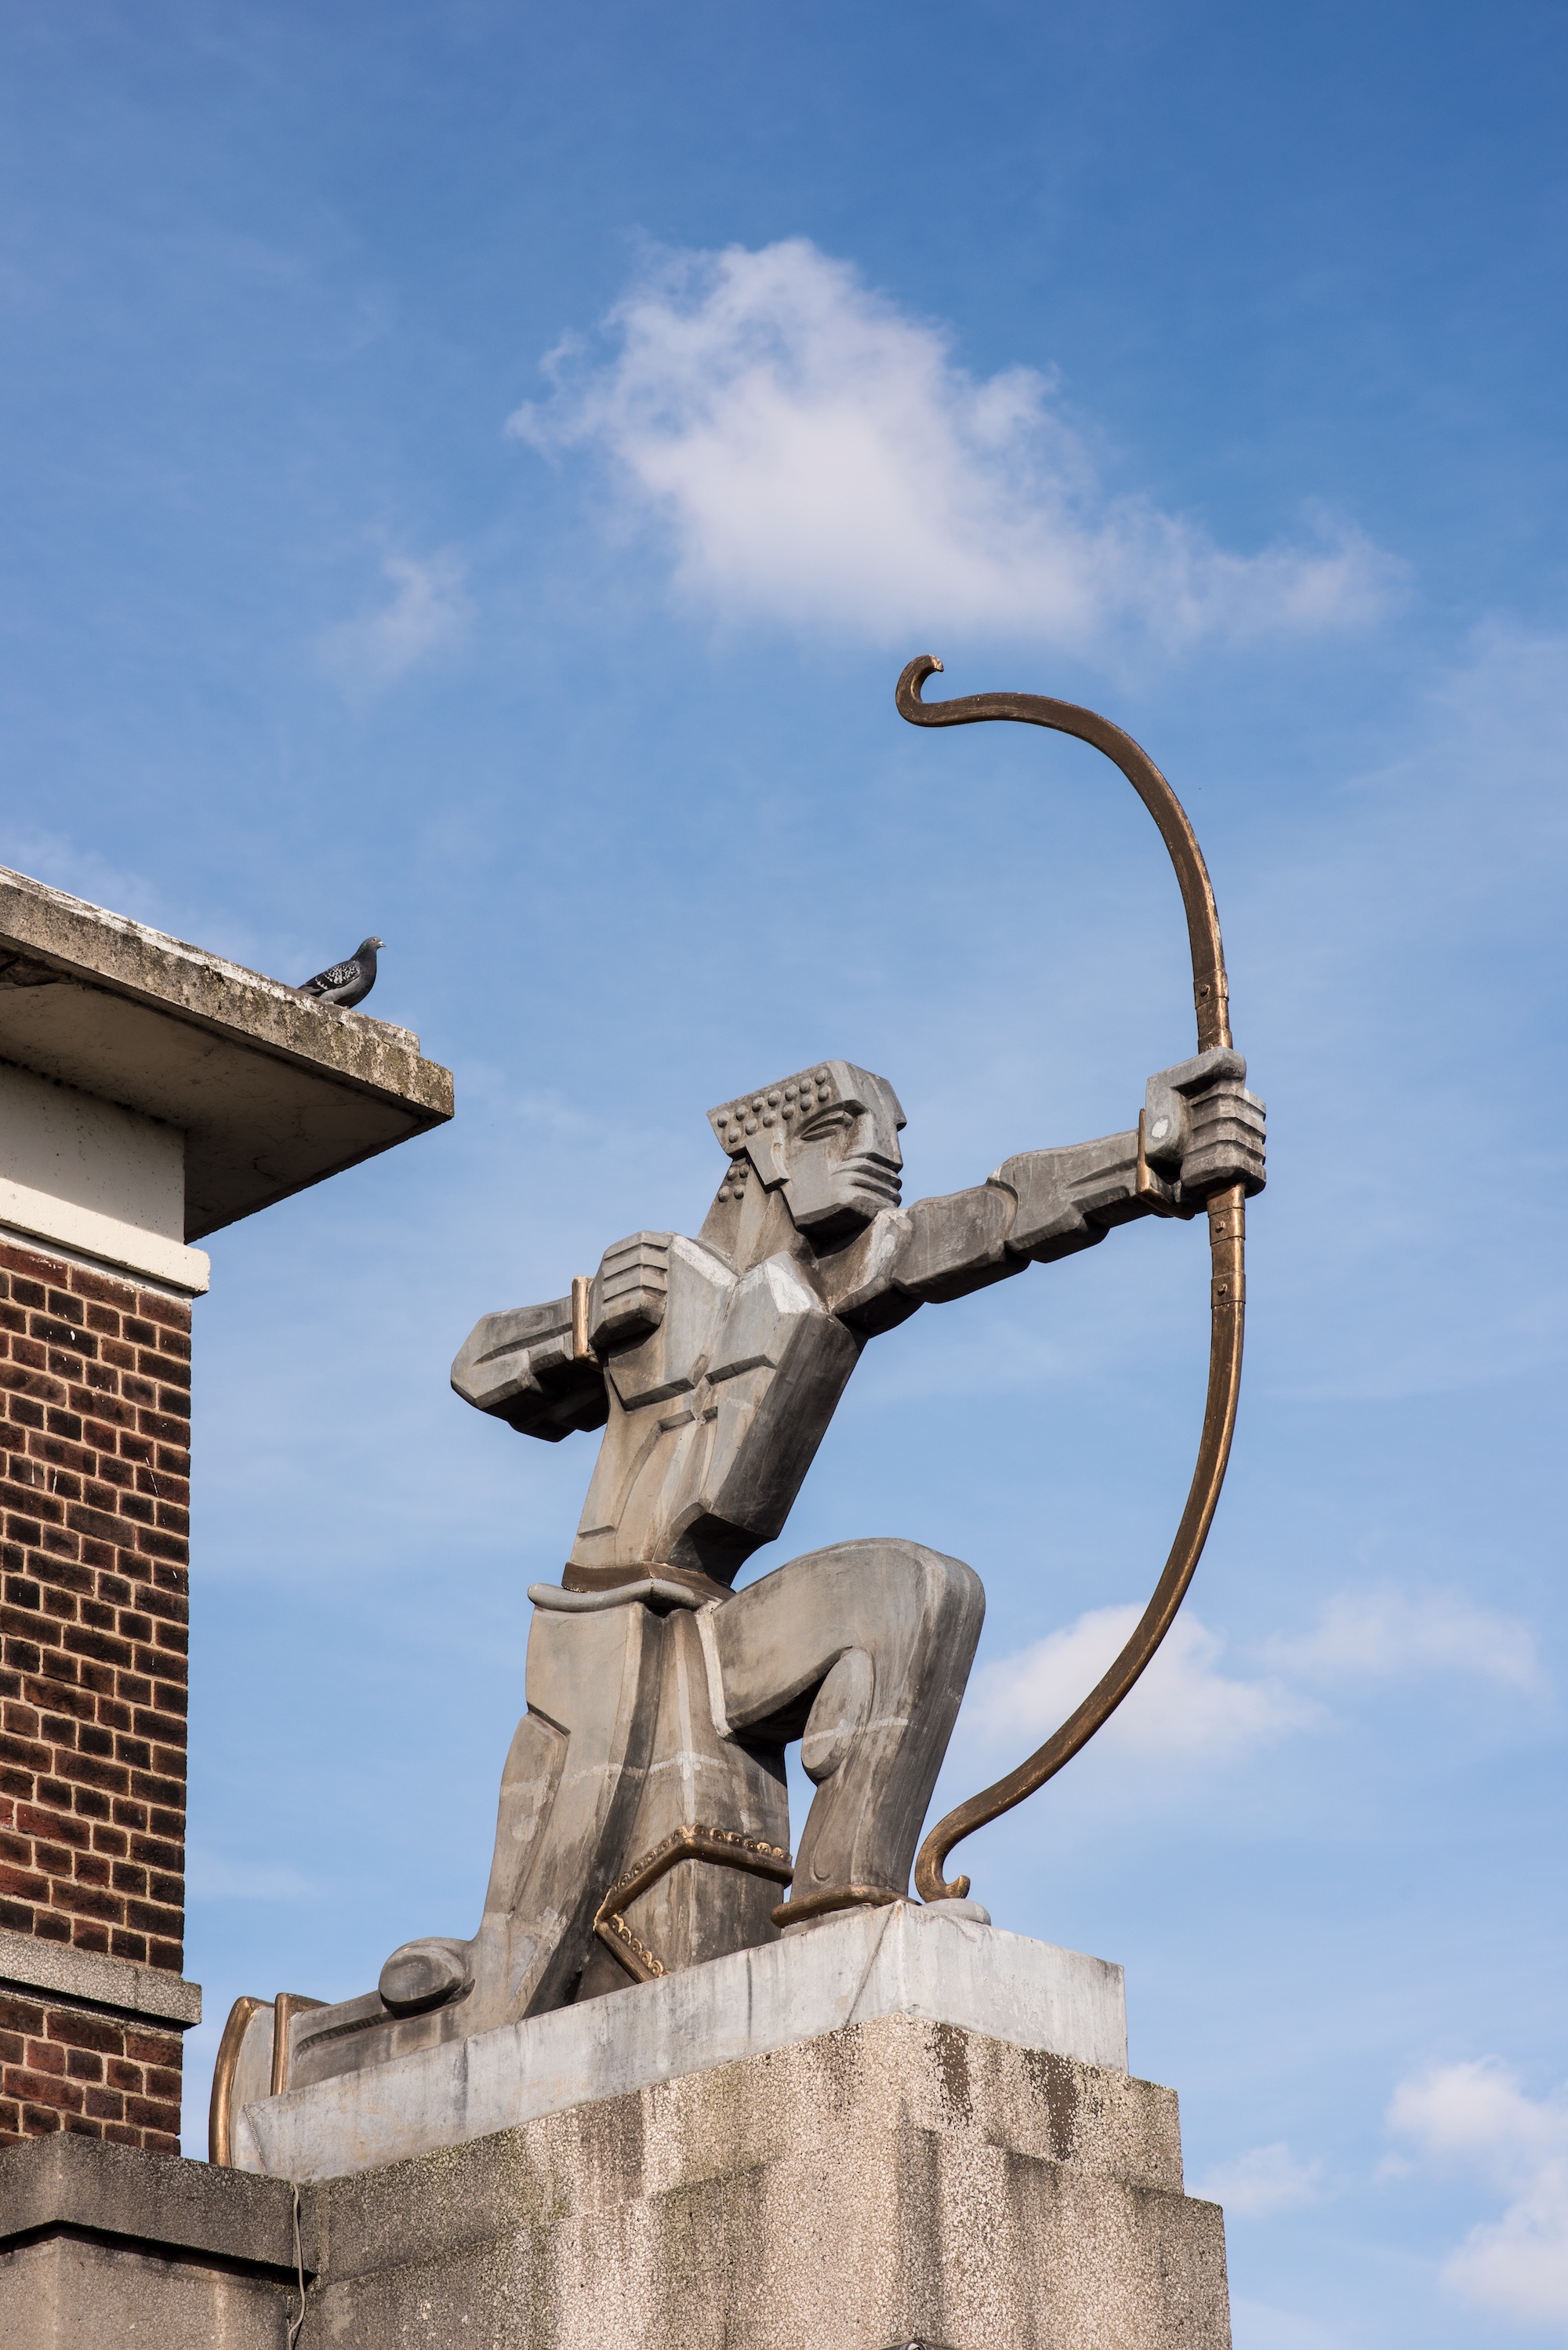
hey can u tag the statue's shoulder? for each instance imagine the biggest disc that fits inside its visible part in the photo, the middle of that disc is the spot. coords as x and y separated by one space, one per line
855 1280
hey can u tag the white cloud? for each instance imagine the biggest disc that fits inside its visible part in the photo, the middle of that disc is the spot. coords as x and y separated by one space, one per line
819 457
1182 1707
1477 2116
1265 2180
1384 1632
427 610
1185 1708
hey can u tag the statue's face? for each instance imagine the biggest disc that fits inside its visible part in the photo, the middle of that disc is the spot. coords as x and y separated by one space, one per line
843 1165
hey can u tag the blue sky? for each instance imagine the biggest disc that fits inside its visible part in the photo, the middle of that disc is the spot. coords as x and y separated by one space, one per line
474 474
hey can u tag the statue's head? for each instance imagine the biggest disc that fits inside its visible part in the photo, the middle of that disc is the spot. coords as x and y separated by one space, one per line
827 1137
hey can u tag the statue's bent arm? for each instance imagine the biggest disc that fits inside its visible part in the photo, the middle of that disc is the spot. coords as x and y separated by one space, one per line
522 1367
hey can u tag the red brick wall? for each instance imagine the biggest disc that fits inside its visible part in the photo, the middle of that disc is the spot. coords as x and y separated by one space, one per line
95 1386
71 2067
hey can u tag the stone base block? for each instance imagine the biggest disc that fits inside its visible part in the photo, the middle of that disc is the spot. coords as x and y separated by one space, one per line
108 2248
895 2183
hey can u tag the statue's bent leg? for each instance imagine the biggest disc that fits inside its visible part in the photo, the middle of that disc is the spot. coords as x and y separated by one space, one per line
568 1793
699 1782
862 1650
571 1784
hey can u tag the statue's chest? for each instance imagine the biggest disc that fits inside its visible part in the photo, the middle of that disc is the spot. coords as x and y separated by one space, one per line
716 1327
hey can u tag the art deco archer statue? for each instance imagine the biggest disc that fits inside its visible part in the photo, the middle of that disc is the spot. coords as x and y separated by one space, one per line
643 1821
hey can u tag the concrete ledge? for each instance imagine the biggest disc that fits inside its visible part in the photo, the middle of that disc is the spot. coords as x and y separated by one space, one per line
902 1960
272 1090
160 2203
149 1993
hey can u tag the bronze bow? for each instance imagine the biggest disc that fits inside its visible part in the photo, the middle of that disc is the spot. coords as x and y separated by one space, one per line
1226 1236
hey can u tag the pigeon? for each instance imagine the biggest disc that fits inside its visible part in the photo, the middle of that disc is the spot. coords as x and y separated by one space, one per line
347 983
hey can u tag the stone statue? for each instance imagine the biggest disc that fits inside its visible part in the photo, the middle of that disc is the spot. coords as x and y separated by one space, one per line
643 1821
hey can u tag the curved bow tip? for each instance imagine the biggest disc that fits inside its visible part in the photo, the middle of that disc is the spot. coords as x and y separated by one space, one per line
931 1885
906 693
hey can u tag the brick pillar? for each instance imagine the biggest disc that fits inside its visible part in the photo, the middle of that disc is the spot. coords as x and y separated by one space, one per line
94 1469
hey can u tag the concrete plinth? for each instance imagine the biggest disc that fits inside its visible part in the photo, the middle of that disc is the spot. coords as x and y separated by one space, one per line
899 2178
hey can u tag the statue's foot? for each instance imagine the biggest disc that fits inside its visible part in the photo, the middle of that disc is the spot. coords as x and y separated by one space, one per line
429 1972
811 1909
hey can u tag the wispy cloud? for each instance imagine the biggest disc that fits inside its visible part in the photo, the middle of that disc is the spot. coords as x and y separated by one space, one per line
1265 2180
426 609
819 456
1184 1707
1381 1633
1187 1708
1477 2117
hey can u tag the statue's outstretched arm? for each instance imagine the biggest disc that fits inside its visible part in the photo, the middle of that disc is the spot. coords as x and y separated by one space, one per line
1201 1132
528 1367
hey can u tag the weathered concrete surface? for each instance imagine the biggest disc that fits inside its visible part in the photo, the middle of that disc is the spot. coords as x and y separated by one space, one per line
64 2294
103 2248
901 1960
898 2182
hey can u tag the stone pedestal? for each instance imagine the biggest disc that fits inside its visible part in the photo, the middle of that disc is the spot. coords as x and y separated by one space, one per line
904 1960
689 2166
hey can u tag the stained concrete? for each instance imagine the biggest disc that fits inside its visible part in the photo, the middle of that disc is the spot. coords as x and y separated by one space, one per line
271 1090
148 1992
898 2182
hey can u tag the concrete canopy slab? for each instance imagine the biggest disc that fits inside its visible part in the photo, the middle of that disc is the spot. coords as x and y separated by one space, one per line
272 1090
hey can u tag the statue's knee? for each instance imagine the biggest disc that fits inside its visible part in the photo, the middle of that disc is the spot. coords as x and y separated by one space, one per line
948 1589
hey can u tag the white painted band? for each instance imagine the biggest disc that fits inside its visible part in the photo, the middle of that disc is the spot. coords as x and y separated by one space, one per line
118 1247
